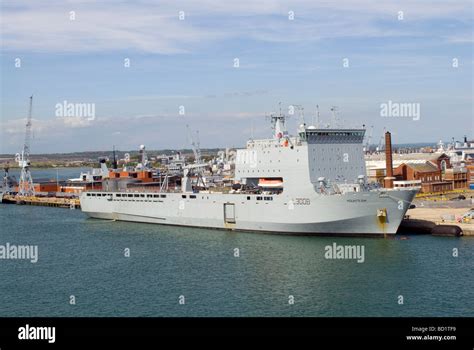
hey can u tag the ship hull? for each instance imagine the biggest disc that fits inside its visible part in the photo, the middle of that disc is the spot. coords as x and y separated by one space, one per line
362 213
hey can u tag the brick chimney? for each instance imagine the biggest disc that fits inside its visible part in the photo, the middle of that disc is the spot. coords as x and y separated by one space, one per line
388 180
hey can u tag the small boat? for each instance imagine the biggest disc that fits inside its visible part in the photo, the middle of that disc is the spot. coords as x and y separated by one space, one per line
270 183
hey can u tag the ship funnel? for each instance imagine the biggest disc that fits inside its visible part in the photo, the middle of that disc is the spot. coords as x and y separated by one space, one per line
388 180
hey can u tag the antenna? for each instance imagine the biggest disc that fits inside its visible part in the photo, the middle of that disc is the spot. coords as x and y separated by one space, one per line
334 116
301 112
251 129
317 115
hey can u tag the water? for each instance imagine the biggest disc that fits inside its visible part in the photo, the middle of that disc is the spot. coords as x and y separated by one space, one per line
85 258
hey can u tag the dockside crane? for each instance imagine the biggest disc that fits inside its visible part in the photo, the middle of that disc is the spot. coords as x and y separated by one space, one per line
369 139
381 145
198 167
7 181
25 186
195 145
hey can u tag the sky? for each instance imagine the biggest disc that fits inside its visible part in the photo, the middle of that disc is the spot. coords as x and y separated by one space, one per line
149 68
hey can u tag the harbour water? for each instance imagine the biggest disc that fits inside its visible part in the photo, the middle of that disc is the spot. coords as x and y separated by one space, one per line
87 258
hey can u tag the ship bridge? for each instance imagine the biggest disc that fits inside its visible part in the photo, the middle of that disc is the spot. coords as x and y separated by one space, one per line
334 154
300 162
319 136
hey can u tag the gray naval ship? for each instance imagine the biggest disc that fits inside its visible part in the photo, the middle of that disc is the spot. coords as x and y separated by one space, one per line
312 183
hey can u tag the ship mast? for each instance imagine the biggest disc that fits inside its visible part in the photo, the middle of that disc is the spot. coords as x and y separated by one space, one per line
278 125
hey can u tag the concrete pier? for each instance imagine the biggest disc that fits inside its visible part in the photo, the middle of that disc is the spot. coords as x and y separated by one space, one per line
71 203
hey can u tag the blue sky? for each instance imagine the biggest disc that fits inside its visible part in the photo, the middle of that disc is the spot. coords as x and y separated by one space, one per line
190 63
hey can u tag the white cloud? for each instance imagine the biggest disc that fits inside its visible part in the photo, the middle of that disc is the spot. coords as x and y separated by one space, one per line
154 27
99 28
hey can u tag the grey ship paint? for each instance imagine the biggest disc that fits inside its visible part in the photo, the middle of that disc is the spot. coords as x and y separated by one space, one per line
321 189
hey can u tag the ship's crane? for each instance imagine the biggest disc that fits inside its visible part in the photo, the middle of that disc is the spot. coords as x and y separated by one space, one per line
25 187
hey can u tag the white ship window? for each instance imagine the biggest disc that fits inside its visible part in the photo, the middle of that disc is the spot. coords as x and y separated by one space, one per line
248 198
192 196
88 195
162 195
130 195
259 198
183 196
93 194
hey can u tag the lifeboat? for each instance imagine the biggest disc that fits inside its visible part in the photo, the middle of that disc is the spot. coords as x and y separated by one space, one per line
272 183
